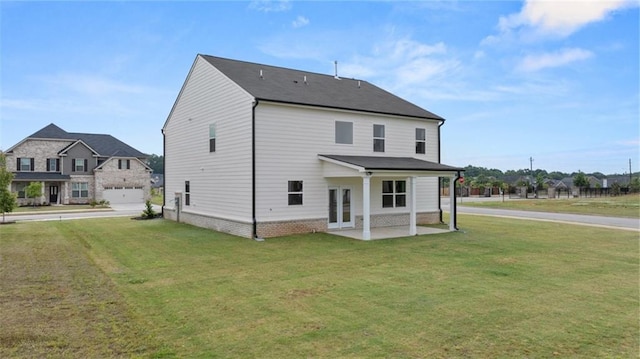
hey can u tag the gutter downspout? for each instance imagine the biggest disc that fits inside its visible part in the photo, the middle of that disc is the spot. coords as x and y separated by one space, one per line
164 160
453 207
439 180
254 233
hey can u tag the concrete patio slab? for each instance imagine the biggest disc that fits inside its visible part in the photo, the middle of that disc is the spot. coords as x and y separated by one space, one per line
387 232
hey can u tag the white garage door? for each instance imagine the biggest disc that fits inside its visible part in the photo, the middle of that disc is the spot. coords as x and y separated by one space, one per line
118 195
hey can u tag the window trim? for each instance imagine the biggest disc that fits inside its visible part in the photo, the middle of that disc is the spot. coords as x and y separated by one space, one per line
187 193
75 166
338 124
21 190
421 143
212 137
82 190
56 165
127 165
293 194
21 166
398 198
379 139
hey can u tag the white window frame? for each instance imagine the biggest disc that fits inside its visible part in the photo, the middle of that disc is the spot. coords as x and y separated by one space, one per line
52 164
399 198
25 164
421 143
341 129
187 193
378 139
80 189
76 166
294 193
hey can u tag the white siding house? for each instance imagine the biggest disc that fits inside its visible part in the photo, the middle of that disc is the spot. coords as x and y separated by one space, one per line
262 151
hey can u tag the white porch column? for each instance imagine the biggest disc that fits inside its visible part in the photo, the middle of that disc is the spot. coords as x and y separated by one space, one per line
42 196
413 230
452 204
366 207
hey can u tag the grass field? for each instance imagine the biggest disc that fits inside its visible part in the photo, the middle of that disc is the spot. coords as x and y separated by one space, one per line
499 288
620 206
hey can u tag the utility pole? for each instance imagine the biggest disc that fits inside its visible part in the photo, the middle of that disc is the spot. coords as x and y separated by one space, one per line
531 164
630 176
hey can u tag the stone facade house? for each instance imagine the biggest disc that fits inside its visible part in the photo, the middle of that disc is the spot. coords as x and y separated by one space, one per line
262 151
77 168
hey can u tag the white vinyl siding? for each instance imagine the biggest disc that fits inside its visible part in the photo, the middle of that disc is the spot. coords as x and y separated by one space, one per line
224 180
285 151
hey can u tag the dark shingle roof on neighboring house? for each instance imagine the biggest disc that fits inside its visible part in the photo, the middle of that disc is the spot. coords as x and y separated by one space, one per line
104 145
284 85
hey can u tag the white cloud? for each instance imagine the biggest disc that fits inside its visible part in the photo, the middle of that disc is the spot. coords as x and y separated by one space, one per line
270 6
566 56
556 18
300 21
91 84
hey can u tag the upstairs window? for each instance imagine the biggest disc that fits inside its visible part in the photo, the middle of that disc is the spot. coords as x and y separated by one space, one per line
187 193
421 141
394 194
378 138
295 193
344 132
53 164
79 165
26 164
124 164
212 137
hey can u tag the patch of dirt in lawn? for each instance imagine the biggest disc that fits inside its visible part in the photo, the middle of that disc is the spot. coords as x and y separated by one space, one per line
54 302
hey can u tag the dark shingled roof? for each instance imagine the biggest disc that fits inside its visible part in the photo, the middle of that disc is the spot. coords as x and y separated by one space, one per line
40 176
373 163
105 145
280 84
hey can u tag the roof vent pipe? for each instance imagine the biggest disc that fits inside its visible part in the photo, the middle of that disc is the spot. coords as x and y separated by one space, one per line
305 79
261 75
358 83
336 70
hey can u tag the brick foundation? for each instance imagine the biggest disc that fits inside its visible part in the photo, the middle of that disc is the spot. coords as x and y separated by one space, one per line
284 228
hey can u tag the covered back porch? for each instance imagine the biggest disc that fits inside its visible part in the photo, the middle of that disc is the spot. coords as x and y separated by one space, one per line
397 186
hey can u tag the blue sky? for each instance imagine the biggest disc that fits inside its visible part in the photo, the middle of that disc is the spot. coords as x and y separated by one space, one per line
555 81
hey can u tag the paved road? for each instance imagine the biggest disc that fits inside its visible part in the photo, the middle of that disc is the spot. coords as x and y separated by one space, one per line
588 220
122 210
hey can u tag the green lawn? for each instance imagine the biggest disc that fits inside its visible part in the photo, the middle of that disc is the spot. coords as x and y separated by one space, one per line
620 206
499 288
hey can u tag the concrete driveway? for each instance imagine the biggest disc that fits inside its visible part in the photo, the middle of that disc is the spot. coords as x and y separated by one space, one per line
631 224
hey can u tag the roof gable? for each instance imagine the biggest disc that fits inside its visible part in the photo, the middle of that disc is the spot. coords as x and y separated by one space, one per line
278 84
101 145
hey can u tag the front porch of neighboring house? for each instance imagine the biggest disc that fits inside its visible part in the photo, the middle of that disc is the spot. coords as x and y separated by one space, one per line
54 187
396 181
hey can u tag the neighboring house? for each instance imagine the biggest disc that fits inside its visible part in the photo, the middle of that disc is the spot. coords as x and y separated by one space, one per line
157 182
262 151
77 168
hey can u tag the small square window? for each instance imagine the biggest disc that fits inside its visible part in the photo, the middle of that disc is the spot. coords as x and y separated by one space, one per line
344 132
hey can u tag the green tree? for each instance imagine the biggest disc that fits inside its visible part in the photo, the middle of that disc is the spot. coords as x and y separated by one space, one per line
7 199
33 190
634 186
156 163
580 180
